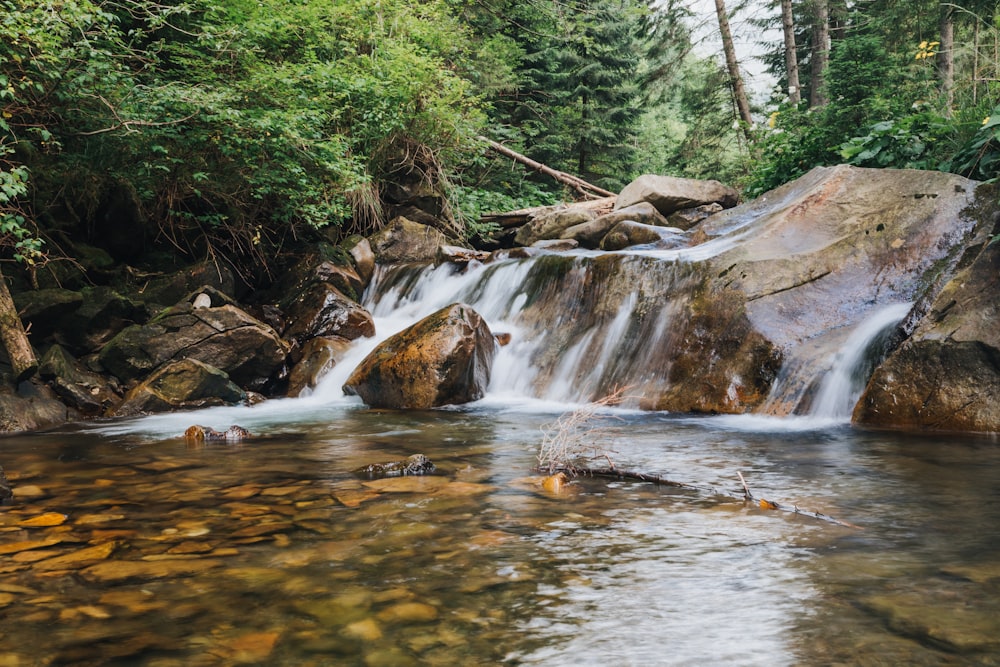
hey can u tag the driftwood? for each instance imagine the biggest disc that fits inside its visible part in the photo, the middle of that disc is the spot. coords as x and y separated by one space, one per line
581 187
14 338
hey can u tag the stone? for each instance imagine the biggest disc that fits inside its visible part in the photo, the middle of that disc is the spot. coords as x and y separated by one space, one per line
169 289
628 233
362 255
669 194
234 433
946 375
247 350
403 240
322 310
102 314
556 245
184 384
117 571
408 612
589 234
417 464
689 217
444 359
19 412
317 357
461 256
78 387
551 223
6 493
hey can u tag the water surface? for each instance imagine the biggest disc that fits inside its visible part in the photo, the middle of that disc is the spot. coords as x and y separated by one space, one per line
273 552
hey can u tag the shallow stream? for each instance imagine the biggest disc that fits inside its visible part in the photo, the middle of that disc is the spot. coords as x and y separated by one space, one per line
128 545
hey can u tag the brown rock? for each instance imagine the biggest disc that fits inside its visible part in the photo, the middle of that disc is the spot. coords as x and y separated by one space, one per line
322 310
180 385
669 194
446 358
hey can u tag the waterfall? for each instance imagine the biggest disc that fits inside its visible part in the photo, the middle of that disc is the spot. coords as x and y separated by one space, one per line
854 363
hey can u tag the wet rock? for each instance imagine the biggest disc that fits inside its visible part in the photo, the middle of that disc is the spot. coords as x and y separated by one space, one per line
115 571
180 385
317 357
669 194
556 245
817 257
551 224
362 255
408 612
946 375
248 350
628 233
417 464
234 433
404 240
461 256
322 310
444 359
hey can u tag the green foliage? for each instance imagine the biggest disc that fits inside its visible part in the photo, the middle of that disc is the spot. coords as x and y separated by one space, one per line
910 142
979 158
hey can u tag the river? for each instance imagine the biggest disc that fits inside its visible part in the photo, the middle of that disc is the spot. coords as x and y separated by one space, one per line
129 545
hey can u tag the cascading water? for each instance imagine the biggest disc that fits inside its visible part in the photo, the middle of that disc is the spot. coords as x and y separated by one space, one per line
853 365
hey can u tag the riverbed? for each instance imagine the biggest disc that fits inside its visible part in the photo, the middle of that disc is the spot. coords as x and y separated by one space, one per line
128 544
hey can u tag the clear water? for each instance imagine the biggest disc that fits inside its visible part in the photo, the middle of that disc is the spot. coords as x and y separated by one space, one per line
273 552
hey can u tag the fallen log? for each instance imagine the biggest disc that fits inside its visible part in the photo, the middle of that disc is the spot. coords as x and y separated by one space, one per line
580 186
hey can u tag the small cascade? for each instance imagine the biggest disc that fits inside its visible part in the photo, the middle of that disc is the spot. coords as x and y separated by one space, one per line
854 363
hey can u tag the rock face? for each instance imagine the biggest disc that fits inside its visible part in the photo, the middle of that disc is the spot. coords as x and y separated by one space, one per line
946 376
669 194
403 240
444 359
246 349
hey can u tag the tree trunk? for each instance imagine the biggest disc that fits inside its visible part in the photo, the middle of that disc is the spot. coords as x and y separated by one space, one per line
791 55
820 53
14 338
739 92
946 56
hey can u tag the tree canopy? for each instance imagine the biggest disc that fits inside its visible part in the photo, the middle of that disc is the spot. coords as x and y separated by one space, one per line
228 126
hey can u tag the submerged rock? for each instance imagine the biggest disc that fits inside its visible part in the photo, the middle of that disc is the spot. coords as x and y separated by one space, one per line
418 464
234 433
444 359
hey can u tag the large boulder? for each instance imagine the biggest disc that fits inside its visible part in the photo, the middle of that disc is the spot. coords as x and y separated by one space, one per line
403 240
31 407
179 385
818 256
669 194
170 288
444 359
42 310
248 350
946 375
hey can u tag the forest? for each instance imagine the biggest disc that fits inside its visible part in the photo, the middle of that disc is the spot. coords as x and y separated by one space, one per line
231 127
